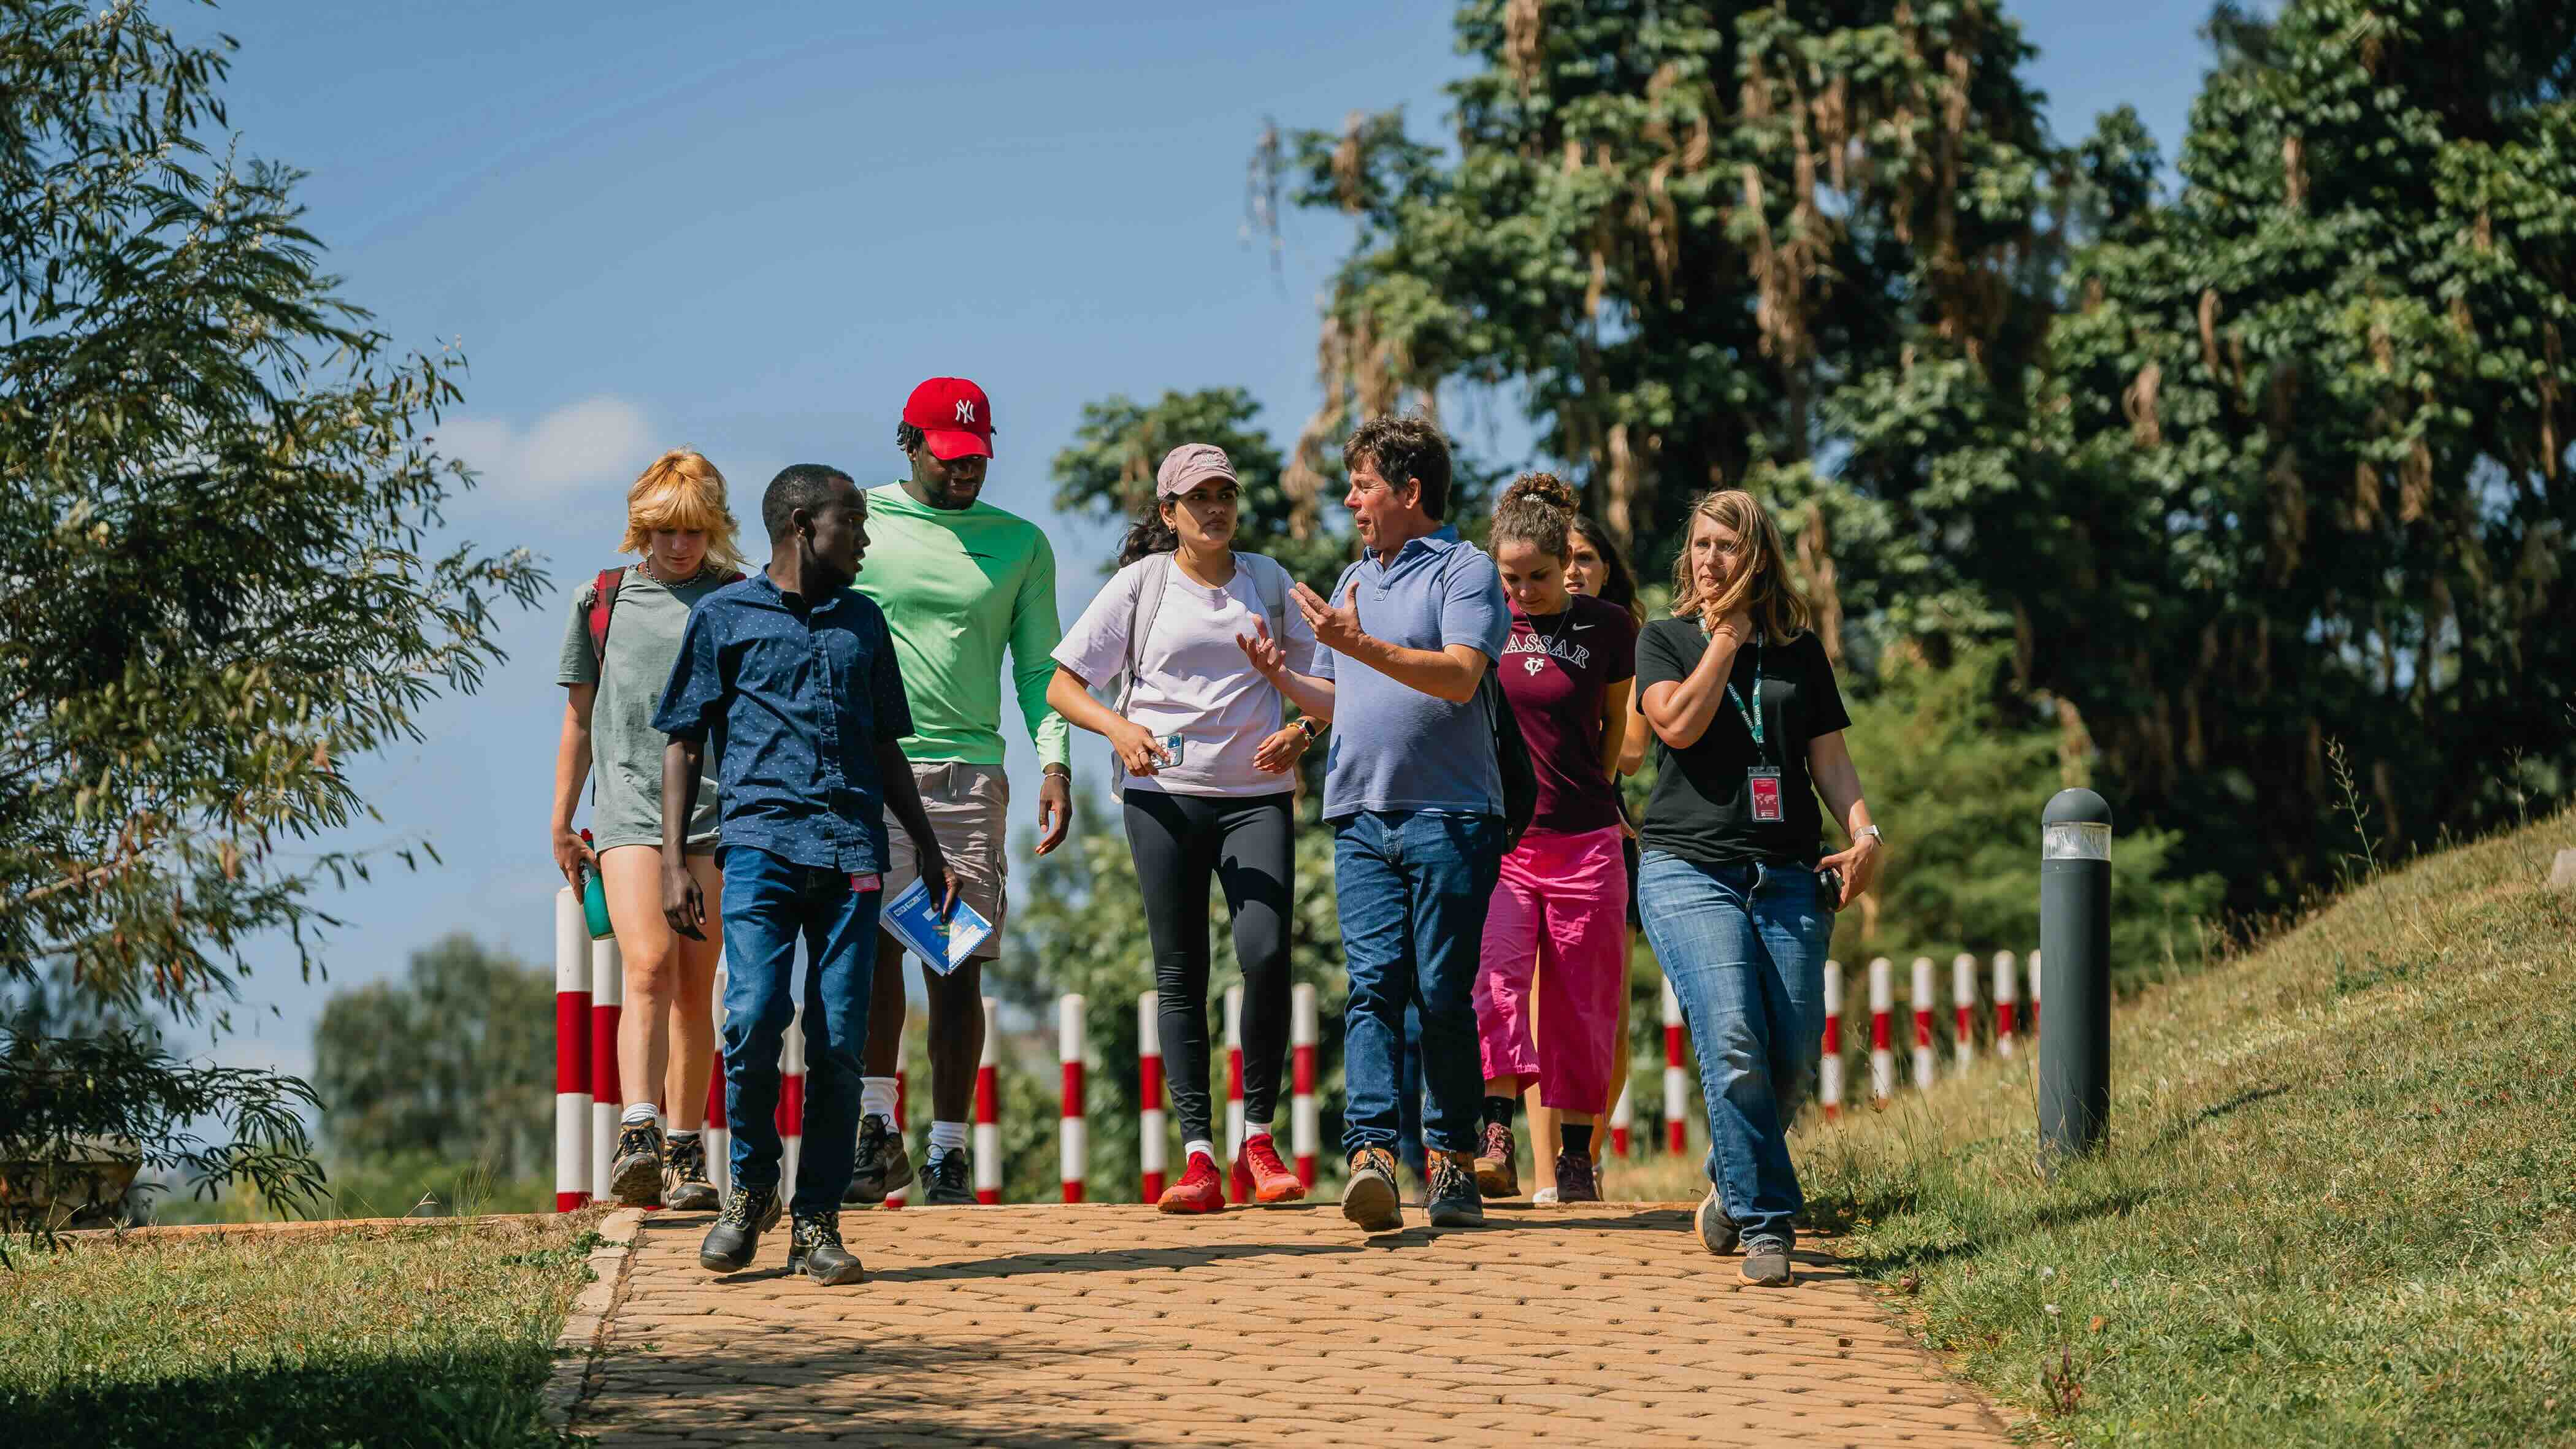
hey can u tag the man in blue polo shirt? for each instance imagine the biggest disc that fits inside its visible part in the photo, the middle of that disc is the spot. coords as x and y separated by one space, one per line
789 677
1415 799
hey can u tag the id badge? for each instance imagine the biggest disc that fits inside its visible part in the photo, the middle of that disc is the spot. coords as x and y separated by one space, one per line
1764 782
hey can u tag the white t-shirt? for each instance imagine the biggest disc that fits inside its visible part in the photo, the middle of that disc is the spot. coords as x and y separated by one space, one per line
1192 679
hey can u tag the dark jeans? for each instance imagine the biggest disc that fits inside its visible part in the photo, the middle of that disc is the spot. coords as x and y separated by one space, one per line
1413 889
1178 841
1744 947
768 904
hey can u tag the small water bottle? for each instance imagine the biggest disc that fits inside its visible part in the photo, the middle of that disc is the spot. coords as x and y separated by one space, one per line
594 896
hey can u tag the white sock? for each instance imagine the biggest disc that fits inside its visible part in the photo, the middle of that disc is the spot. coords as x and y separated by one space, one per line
690 1135
1197 1146
876 1098
946 1137
639 1112
1255 1129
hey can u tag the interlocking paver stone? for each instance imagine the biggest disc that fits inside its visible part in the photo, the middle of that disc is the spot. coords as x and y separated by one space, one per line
1115 1325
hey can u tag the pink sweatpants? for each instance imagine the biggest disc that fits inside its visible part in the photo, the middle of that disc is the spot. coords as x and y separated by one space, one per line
1560 910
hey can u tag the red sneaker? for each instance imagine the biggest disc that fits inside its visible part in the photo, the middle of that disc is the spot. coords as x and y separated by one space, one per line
1200 1190
1271 1179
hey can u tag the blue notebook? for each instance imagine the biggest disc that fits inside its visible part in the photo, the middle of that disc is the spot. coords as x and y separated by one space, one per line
944 945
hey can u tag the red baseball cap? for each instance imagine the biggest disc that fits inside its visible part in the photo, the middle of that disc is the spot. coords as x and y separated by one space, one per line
955 418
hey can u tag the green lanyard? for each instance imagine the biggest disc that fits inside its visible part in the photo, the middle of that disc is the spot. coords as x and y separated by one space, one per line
1752 716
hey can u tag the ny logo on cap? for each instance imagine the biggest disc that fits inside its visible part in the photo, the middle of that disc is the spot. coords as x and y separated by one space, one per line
966 411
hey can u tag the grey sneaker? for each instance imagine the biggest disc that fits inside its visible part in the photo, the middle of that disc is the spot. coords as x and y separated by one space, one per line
684 1175
882 1166
735 1239
814 1249
951 1180
1766 1264
1454 1201
1369 1198
1574 1178
635 1173
1716 1229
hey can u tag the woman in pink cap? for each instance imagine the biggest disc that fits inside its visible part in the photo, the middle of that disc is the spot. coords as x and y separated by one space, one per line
1205 763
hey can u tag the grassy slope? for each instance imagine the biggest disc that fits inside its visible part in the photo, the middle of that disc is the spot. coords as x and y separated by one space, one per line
2338 1204
436 1335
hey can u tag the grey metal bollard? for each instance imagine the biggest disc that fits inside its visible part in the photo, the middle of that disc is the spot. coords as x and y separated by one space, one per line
2075 954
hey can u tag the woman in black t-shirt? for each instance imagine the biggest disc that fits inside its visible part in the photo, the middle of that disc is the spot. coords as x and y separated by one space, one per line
1737 893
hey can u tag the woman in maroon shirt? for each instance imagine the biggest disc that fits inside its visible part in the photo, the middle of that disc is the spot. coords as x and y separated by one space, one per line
1560 910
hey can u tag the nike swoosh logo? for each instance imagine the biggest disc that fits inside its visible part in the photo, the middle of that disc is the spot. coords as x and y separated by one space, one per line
1578 628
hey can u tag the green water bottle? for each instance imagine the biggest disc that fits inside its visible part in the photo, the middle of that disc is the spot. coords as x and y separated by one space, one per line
594 897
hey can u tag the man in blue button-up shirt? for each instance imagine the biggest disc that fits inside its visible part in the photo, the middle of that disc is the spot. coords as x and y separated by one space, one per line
791 678
1414 794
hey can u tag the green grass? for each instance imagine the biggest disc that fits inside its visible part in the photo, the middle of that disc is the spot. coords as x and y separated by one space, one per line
2337 1205
389 1186
437 1335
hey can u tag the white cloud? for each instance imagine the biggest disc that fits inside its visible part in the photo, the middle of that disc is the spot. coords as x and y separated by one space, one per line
596 438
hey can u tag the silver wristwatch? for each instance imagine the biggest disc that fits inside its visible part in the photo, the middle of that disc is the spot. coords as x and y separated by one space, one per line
1874 833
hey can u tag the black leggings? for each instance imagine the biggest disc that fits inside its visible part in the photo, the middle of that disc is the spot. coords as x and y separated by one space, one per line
1177 840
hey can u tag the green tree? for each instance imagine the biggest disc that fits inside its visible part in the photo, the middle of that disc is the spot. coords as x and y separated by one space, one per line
455 1060
218 499
2295 469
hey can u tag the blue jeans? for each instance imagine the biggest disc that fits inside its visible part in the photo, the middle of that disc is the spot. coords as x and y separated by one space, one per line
1744 946
1413 889
768 904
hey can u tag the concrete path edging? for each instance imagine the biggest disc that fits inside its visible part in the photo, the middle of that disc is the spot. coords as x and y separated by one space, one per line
585 1331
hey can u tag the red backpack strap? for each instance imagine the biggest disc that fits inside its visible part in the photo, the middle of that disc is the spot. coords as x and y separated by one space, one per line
603 600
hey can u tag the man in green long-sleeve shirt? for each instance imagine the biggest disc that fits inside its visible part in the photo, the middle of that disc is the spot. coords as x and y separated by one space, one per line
959 581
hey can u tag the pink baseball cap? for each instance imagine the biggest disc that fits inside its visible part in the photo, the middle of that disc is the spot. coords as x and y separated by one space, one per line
1190 465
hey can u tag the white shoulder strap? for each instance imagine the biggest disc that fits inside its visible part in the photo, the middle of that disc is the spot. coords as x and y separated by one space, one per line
1270 580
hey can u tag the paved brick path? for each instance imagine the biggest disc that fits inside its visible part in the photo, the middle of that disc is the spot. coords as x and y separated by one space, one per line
1114 1325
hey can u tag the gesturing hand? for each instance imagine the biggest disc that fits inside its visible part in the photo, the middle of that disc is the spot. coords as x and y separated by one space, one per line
1268 659
1136 748
1337 627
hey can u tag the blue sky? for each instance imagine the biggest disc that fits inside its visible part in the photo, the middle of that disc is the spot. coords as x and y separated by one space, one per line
751 228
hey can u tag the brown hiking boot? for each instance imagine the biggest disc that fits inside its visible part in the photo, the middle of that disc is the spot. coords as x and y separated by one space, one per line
1369 1198
1498 1172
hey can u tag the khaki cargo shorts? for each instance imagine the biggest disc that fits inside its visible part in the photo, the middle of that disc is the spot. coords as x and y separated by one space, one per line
969 807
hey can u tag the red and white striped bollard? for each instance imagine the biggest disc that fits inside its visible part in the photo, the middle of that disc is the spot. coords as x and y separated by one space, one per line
719 1129
1623 1116
988 1109
1676 1086
607 1098
791 1101
1829 1063
1922 1023
1238 1177
1151 1149
1963 997
1074 1138
2033 964
572 1053
1882 1042
1305 1134
2007 988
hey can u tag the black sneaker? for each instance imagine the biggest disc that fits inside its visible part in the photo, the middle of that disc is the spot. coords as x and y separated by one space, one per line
814 1249
1454 1201
1716 1229
882 1166
684 1175
635 1174
1766 1264
1369 1198
1574 1182
735 1239
951 1180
